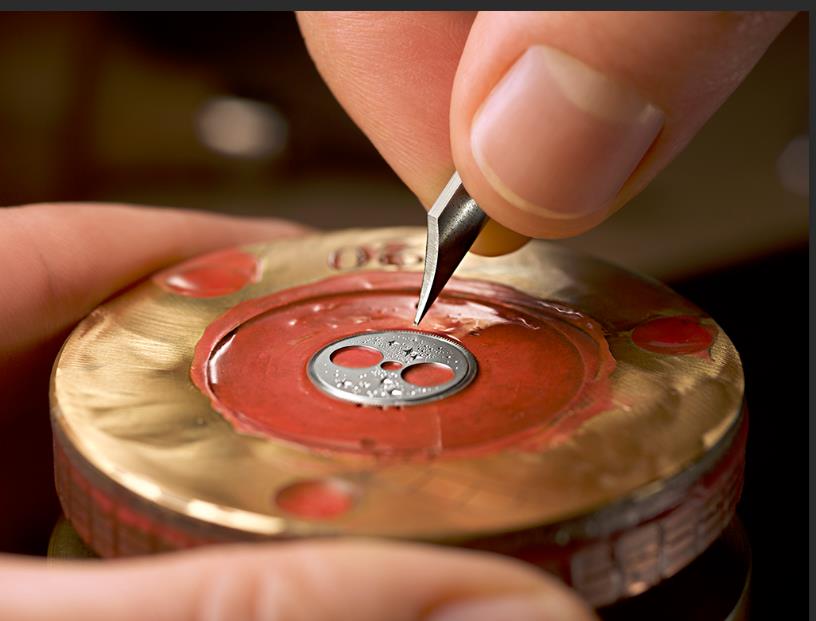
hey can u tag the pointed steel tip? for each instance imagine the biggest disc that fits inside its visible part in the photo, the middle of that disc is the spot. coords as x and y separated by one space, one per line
454 222
423 305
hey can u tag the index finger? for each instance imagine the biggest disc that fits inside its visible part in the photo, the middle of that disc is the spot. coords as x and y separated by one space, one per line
61 260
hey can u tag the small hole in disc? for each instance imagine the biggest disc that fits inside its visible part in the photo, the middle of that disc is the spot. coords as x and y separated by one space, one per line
320 499
356 357
428 374
391 365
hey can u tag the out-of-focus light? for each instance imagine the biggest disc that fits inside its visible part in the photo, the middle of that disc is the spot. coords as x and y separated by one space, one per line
242 128
793 165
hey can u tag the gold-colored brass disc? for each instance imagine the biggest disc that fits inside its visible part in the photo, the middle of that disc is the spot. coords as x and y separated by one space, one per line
142 447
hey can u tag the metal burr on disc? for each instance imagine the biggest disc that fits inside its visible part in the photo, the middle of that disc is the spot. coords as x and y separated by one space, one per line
560 410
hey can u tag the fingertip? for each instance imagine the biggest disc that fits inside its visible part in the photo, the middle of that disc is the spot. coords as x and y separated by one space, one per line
66 258
328 579
558 118
552 146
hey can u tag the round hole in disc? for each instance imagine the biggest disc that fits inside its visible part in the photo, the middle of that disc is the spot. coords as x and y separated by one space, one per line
318 499
391 365
356 357
428 374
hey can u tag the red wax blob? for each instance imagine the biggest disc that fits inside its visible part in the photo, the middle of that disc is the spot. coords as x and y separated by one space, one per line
391 365
543 368
356 357
218 273
315 500
428 374
674 335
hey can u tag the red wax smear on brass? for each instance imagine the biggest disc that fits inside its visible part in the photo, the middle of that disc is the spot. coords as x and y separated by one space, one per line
315 500
356 357
428 374
218 273
674 335
543 368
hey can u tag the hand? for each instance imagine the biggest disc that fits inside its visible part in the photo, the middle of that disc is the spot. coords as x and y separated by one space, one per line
61 261
553 119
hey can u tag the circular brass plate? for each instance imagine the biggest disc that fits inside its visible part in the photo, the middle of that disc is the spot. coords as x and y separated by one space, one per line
124 408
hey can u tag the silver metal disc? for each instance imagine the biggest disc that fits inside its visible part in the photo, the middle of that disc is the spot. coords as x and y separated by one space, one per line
386 382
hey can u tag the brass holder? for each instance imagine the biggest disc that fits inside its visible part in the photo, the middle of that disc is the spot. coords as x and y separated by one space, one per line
625 498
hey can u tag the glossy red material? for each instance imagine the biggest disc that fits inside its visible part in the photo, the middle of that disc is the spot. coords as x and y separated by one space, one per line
212 275
674 335
543 368
428 374
356 357
315 500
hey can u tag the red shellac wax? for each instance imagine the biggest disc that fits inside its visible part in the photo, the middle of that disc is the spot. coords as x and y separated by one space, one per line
677 335
212 275
543 368
315 500
356 357
428 374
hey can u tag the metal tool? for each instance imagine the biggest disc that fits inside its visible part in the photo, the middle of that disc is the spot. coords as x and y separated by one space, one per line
454 223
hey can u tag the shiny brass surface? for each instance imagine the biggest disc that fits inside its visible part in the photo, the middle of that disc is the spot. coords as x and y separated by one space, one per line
122 398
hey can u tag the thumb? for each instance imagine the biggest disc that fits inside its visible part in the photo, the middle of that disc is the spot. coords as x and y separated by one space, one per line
289 582
558 118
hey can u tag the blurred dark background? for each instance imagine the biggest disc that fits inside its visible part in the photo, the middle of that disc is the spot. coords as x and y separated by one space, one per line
225 112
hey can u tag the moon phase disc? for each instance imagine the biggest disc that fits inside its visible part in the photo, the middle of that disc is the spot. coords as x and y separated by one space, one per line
402 354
